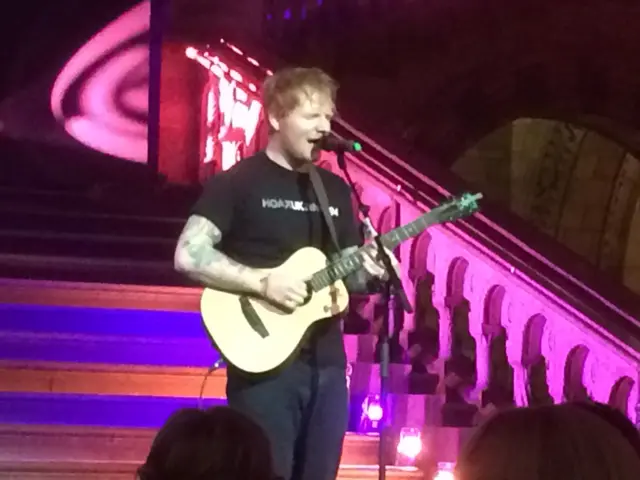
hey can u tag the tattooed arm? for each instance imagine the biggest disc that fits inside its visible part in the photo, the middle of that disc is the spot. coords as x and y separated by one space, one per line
197 257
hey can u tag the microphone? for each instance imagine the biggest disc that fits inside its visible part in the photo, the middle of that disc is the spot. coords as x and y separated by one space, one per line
331 143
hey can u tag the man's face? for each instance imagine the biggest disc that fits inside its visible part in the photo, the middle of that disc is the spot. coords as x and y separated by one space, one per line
300 130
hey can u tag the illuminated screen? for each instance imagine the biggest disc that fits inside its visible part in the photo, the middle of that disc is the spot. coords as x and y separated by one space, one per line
210 110
231 109
76 75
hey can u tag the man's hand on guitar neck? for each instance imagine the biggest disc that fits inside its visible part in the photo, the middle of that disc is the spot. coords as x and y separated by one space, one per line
373 263
283 290
366 280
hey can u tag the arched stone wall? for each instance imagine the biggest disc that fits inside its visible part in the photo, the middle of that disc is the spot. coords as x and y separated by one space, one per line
387 219
419 254
620 394
499 383
532 342
493 306
534 361
574 389
455 280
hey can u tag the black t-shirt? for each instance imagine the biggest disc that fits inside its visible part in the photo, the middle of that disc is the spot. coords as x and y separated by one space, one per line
266 213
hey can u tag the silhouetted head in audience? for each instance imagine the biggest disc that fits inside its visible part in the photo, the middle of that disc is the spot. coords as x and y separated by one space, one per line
556 442
617 419
214 444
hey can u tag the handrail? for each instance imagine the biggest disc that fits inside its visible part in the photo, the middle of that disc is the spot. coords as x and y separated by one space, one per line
516 241
628 331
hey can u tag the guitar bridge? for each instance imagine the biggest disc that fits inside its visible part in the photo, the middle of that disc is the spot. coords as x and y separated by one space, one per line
252 317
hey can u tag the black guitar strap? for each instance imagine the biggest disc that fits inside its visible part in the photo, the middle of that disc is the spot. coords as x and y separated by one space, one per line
321 194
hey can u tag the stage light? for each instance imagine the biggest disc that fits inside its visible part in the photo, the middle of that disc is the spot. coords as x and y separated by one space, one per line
372 413
372 408
409 446
445 471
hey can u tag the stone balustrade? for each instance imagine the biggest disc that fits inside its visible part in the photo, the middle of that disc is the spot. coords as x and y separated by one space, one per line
477 290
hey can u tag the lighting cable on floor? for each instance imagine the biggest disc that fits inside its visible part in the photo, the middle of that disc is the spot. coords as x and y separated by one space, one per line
216 366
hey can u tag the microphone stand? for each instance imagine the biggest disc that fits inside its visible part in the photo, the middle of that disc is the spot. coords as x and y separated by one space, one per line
393 284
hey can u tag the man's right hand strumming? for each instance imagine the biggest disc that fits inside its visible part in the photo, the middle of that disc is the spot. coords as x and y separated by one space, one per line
284 290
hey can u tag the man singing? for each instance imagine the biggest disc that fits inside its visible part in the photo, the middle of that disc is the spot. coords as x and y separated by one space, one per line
254 216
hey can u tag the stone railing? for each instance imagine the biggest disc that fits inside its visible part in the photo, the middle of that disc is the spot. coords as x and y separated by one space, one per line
538 324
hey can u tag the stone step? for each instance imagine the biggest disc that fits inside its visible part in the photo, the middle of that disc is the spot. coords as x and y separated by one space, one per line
27 218
105 347
85 245
122 411
74 470
72 268
96 445
84 389
109 379
142 337
115 296
53 200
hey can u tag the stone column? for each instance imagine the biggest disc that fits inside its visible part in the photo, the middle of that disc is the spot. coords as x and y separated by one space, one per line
556 346
514 330
476 321
445 326
442 304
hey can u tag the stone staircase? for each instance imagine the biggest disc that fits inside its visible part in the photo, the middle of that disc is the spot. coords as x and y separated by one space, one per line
75 235
36 451
98 348
83 388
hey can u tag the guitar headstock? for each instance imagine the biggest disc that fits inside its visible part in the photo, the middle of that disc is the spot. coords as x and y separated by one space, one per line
459 207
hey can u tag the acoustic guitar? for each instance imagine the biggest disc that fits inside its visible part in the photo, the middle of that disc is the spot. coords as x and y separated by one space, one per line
257 336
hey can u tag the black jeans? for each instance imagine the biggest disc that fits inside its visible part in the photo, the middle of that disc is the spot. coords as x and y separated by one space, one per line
304 411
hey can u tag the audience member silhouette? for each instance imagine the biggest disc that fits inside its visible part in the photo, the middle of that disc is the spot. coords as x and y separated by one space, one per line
213 444
617 419
556 442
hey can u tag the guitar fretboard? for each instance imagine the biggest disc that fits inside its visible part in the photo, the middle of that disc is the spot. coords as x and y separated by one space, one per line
348 264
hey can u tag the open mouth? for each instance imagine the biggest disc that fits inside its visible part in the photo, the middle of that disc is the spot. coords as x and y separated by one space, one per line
315 144
316 149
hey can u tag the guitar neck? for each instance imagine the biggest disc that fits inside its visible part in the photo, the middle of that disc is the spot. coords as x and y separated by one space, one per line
348 264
